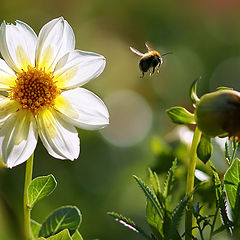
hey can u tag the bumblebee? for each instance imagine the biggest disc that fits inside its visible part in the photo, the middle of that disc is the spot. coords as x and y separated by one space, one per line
150 60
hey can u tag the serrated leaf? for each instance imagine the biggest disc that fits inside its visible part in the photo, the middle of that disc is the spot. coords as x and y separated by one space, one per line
232 181
150 196
180 115
77 236
193 91
35 228
204 149
222 228
176 217
217 181
130 224
63 235
220 197
154 221
154 181
39 188
168 185
68 217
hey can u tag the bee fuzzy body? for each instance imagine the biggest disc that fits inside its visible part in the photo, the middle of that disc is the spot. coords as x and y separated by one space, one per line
150 60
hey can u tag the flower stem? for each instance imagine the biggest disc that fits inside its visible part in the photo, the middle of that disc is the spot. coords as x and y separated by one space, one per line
190 182
26 208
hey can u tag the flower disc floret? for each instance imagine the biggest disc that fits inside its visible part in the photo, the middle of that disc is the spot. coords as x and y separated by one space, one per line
34 89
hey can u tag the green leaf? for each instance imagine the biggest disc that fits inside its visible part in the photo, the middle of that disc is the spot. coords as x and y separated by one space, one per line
154 221
35 227
220 198
223 88
232 182
176 217
204 149
63 235
130 224
180 115
178 212
222 228
39 188
153 218
154 210
168 186
150 196
217 182
154 181
193 91
77 236
68 217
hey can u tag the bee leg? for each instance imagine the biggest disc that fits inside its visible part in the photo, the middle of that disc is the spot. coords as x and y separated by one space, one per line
158 67
142 75
153 70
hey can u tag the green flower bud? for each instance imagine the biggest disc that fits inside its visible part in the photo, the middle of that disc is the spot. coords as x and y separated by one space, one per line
218 113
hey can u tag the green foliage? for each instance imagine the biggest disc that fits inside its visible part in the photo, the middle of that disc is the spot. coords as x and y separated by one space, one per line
193 91
63 223
223 88
202 221
150 196
130 224
77 236
232 181
204 149
220 202
63 235
35 227
39 188
162 220
68 217
180 115
169 183
232 186
176 217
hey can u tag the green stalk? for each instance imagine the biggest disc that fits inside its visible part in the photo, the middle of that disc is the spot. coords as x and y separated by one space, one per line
26 208
190 182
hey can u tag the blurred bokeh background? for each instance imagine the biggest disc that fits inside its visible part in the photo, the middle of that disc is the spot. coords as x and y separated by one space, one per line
205 39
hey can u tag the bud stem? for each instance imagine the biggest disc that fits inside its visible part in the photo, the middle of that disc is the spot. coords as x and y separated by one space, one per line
190 182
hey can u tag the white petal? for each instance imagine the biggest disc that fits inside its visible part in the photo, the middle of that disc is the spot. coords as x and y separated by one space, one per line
83 109
77 68
18 138
17 45
7 76
56 38
7 108
59 137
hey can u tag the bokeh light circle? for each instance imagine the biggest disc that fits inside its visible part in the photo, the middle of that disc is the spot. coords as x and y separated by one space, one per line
130 118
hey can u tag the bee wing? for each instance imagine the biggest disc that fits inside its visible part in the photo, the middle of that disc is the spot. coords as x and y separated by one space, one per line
149 46
136 51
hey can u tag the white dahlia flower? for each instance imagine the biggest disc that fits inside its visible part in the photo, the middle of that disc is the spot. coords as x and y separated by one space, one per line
40 81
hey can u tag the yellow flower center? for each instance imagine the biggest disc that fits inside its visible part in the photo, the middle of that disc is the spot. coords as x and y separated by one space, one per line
34 90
